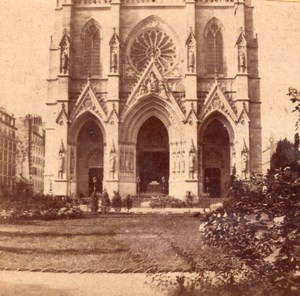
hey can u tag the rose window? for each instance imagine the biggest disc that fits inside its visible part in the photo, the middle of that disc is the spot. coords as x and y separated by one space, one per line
154 44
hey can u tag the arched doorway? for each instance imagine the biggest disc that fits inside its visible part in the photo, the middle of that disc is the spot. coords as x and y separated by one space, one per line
89 158
153 157
216 159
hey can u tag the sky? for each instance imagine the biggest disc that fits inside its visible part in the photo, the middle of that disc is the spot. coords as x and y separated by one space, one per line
26 27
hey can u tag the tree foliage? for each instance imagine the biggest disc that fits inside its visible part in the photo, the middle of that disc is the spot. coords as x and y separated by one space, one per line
283 156
294 95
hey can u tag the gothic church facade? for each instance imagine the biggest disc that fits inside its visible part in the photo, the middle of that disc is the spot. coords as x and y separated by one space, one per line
152 96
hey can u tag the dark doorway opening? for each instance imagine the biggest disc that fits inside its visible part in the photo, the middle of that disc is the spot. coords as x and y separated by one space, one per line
212 181
98 173
153 157
153 166
89 157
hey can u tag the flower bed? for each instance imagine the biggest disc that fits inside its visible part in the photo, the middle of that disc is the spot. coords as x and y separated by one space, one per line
38 207
166 202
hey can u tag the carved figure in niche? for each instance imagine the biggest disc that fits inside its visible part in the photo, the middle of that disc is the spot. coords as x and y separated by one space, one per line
122 165
142 89
191 163
244 166
191 58
161 89
114 56
112 162
152 83
242 58
126 162
61 161
64 56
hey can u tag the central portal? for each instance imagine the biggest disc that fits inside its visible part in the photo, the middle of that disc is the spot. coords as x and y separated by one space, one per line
153 157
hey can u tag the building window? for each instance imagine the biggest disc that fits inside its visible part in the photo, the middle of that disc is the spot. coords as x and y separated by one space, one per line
214 47
153 44
91 48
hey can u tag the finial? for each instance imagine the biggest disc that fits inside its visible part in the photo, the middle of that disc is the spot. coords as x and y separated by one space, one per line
89 78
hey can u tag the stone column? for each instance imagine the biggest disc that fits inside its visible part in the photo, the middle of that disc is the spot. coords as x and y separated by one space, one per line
57 106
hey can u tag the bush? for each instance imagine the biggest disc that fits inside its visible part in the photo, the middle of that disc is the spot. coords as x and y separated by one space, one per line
167 202
38 207
260 225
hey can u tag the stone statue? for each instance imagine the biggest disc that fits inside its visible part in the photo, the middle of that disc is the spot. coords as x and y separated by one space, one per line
191 59
152 83
142 89
114 57
242 60
61 162
114 53
126 162
131 162
191 163
61 166
242 54
64 62
112 163
244 166
161 88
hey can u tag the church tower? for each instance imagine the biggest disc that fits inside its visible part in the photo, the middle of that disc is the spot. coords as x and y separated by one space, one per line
152 96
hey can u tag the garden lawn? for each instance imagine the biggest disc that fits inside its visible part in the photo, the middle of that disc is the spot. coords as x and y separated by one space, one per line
103 242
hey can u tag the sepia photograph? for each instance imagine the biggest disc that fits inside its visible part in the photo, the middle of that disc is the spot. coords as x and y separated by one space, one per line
150 147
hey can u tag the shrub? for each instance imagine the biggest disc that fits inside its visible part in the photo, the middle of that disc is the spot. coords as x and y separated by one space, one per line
260 224
167 202
38 207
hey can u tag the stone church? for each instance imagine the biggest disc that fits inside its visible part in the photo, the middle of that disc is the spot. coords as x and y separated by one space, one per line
152 96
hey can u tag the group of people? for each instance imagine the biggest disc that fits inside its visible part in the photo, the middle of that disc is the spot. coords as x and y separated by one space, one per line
106 203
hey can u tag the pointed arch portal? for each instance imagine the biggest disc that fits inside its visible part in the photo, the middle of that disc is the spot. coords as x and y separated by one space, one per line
90 147
216 158
153 156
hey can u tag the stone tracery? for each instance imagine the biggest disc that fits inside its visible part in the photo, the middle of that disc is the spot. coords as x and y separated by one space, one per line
155 44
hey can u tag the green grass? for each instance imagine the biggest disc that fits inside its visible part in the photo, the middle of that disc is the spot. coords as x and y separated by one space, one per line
103 242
